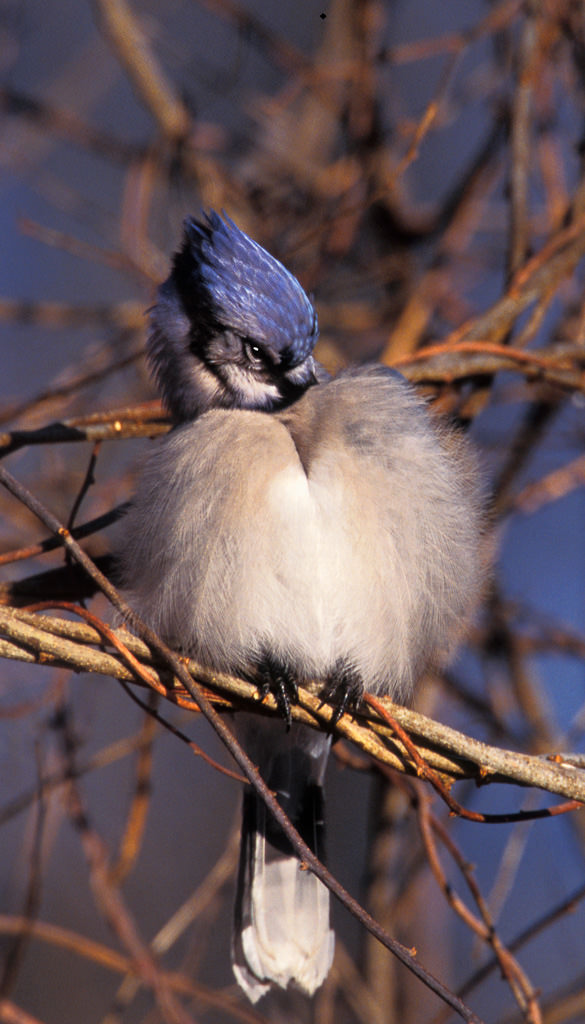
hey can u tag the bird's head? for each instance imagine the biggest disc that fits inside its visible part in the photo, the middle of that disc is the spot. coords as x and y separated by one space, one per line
231 326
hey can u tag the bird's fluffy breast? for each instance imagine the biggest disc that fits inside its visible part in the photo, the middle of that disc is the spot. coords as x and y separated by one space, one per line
357 551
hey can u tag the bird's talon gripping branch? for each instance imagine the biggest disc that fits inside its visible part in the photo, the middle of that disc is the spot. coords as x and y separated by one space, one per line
275 677
343 690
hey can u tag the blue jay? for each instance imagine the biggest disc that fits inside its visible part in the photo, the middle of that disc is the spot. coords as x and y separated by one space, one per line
299 527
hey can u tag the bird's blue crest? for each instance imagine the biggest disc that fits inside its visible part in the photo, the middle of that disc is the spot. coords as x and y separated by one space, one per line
244 288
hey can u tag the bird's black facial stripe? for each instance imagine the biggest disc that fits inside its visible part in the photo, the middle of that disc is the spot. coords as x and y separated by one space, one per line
266 364
227 352
248 372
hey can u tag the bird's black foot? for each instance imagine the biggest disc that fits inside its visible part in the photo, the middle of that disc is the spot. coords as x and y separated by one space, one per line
344 689
274 676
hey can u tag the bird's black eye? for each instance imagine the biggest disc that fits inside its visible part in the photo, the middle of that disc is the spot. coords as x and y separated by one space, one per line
253 352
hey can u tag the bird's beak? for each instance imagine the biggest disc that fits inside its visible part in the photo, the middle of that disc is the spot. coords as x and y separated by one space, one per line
303 375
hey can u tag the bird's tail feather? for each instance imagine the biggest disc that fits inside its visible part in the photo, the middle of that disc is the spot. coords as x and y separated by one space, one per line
281 925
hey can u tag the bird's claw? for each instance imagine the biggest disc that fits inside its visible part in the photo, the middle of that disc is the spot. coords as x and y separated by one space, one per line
344 689
274 676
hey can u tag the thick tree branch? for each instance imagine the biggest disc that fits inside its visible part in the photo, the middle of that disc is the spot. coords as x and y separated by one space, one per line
44 640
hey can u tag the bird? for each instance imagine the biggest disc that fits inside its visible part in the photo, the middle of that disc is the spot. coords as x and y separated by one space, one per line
297 529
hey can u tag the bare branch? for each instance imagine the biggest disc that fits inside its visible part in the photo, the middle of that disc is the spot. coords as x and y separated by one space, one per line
48 641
